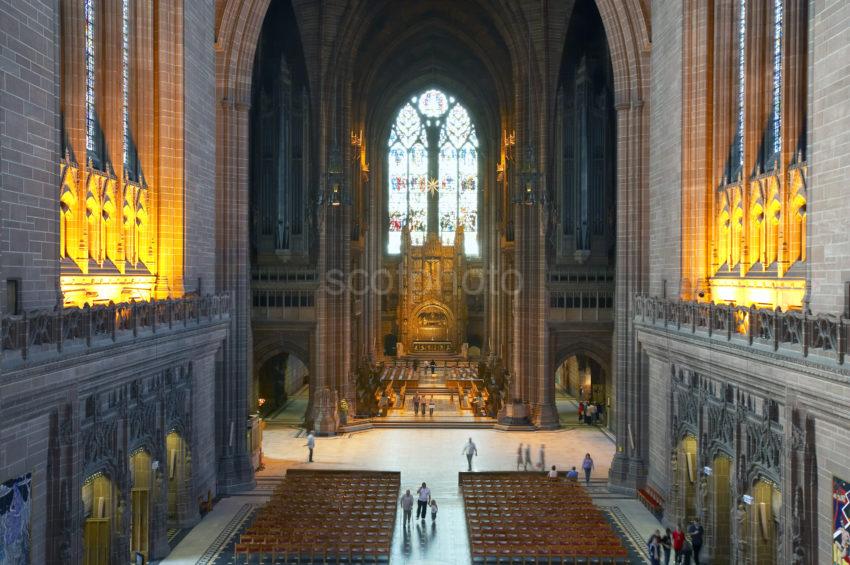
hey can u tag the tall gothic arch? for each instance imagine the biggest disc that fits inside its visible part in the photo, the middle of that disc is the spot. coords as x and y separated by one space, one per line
527 32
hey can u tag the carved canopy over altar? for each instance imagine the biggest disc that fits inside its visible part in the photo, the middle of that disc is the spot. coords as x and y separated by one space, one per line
431 306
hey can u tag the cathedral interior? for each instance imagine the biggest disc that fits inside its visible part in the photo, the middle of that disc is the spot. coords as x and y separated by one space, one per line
235 230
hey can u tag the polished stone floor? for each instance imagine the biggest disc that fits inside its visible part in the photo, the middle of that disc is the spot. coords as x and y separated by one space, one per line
429 455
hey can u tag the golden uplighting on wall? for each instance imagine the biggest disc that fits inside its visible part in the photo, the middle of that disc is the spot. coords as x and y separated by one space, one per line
82 290
762 293
109 240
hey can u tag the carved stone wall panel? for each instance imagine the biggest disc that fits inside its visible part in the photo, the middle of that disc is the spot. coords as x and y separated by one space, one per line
738 424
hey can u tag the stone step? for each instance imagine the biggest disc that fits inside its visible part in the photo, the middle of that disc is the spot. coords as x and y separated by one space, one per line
442 424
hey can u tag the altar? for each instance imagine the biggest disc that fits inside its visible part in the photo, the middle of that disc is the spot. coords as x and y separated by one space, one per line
432 308
432 347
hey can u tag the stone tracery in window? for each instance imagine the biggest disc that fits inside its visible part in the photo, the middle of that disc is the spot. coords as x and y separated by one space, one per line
455 157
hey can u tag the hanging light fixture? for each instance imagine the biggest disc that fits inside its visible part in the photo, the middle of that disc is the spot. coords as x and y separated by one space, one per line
529 176
335 177
334 193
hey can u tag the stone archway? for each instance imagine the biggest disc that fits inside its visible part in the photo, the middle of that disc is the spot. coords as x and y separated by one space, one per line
689 473
99 501
720 511
142 498
180 508
627 29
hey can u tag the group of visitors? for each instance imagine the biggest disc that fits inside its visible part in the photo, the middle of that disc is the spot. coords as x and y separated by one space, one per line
590 412
423 502
421 401
685 544
523 459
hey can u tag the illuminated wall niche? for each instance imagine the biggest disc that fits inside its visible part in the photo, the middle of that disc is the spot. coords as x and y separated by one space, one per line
757 227
110 245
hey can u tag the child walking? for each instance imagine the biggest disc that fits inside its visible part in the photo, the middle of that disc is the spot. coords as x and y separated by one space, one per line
433 509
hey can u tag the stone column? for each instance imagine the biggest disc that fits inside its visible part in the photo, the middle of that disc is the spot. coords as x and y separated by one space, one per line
628 469
696 165
333 299
233 382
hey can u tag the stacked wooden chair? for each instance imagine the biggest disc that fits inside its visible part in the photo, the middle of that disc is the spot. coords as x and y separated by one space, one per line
516 517
324 517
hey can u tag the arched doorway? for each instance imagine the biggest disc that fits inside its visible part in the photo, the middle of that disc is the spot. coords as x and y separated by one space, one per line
141 483
688 475
98 495
721 509
764 513
280 378
179 476
582 377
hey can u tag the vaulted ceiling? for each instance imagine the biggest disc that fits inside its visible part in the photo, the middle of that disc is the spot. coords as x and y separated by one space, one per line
402 47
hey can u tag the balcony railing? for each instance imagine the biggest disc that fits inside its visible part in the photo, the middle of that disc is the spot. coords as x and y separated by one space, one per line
284 305
581 305
44 332
806 333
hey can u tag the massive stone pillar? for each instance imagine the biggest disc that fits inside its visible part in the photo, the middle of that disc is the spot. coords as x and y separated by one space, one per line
333 301
628 469
531 384
233 374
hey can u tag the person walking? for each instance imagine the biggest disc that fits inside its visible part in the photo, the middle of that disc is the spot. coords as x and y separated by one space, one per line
423 404
433 365
687 551
580 411
541 461
407 507
654 550
431 406
519 457
470 451
587 465
416 404
527 461
666 545
590 413
678 541
423 498
433 509
311 444
695 531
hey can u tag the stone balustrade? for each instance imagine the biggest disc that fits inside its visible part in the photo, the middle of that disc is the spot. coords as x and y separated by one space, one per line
34 336
823 335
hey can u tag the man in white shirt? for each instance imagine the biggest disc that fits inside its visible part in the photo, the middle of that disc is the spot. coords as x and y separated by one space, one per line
407 507
311 443
469 450
422 502
591 413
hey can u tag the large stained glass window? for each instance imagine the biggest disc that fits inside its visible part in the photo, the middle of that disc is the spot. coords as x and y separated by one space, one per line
408 178
455 158
742 60
91 125
459 179
777 77
125 78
